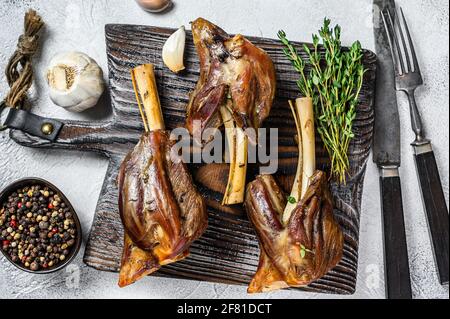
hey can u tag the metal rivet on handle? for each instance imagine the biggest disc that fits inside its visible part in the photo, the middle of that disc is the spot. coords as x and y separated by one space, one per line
47 128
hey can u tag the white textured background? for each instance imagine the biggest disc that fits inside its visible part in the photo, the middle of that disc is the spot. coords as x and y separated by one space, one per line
79 25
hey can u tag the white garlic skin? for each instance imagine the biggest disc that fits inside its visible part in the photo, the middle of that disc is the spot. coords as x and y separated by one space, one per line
154 6
173 50
77 93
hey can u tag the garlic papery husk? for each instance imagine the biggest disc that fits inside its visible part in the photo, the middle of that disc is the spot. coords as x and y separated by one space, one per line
154 6
173 50
75 81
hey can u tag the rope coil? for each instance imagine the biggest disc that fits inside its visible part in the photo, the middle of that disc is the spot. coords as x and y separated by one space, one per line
19 71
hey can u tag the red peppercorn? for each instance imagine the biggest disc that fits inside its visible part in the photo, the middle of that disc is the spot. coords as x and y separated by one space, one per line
5 243
54 230
45 265
13 223
50 206
19 205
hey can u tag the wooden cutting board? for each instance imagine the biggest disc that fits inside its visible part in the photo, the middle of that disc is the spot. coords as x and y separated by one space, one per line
228 251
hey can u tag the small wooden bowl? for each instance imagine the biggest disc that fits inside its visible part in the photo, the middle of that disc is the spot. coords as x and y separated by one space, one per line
11 188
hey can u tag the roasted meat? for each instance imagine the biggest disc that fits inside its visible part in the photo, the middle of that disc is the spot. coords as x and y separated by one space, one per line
301 250
236 88
161 210
160 207
230 68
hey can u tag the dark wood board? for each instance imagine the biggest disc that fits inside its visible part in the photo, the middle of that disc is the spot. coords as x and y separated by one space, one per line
228 251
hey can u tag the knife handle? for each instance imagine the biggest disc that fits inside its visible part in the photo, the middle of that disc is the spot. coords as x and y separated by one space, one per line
435 207
398 281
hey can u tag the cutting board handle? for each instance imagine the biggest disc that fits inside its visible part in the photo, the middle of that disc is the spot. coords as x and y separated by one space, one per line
75 135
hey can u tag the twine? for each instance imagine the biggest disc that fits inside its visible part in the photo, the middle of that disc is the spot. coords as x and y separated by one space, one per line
19 71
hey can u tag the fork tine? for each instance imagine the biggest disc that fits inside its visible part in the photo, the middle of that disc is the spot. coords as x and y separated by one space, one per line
411 45
398 69
402 38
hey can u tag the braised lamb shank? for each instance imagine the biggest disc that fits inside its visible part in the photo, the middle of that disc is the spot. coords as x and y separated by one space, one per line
299 238
160 207
236 88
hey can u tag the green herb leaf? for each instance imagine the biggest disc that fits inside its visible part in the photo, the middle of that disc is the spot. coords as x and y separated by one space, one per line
316 80
302 253
291 200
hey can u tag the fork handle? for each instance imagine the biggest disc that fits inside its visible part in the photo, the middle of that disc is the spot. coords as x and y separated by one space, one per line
416 121
435 207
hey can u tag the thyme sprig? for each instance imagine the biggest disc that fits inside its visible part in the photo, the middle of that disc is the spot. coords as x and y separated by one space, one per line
333 80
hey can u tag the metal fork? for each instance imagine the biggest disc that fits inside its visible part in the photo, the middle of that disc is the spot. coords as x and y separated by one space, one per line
408 78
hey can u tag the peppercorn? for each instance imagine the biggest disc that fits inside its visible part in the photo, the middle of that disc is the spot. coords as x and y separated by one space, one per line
43 225
34 266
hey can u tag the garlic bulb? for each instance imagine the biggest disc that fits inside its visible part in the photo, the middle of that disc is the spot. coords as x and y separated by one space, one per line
154 5
173 50
75 81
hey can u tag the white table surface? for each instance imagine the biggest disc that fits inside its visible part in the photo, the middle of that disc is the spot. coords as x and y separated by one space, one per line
79 25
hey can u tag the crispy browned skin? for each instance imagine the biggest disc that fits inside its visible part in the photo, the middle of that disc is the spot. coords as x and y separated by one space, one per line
230 68
160 207
311 224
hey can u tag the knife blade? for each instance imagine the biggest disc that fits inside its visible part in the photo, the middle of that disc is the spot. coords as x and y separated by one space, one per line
386 154
386 141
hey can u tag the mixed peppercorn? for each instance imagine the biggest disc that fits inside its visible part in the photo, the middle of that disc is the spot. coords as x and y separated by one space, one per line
37 228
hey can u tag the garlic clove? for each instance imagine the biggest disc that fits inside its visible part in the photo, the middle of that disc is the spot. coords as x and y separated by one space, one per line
75 81
60 78
173 50
154 6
